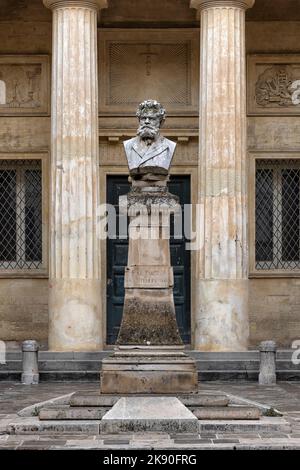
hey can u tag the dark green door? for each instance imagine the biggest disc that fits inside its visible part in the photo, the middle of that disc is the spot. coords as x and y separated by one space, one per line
117 250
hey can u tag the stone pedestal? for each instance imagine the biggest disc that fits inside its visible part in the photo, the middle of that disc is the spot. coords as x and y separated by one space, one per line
155 370
149 312
150 357
221 315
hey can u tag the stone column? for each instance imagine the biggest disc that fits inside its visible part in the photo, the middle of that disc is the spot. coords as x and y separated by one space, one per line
222 260
74 288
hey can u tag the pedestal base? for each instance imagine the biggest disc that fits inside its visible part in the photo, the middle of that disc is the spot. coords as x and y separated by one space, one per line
153 370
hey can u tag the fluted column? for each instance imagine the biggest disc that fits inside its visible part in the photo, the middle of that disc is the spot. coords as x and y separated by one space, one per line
222 264
74 287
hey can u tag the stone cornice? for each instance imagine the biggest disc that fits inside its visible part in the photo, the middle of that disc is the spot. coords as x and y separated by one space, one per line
97 4
201 4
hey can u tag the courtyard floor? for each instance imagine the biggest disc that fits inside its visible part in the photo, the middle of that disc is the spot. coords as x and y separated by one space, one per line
285 397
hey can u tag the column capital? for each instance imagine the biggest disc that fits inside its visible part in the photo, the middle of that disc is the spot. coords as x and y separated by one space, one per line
201 4
97 4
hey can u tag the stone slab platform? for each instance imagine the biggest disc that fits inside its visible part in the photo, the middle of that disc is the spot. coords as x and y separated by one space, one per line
164 414
269 427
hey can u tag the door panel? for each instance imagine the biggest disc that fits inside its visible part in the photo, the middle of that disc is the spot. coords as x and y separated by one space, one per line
117 251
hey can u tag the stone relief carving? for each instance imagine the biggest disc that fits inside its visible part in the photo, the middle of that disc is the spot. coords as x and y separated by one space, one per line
274 84
277 86
23 85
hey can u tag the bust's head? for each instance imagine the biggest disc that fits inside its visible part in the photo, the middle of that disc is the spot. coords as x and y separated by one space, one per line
151 116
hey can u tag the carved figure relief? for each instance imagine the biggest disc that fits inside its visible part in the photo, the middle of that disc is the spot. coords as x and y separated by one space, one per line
276 86
23 85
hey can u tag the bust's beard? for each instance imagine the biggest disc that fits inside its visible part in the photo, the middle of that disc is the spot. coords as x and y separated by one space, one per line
147 132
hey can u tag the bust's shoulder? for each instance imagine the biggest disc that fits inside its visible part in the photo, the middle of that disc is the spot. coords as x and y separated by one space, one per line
169 142
130 142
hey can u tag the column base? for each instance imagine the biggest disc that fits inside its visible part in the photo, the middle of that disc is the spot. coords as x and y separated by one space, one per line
160 370
222 315
74 315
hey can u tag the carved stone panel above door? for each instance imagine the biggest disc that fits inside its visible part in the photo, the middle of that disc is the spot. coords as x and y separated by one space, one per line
158 64
24 85
274 84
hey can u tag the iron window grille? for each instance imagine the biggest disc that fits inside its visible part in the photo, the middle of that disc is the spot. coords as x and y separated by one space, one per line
277 214
20 214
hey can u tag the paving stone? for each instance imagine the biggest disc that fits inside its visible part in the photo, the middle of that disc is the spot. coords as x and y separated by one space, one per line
234 436
115 442
83 444
191 441
226 441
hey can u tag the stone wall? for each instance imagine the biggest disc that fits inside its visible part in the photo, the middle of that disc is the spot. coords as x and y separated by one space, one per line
274 305
25 28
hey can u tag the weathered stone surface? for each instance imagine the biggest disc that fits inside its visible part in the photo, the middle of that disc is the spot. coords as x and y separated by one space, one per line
35 426
204 400
222 274
149 318
69 413
165 414
227 413
267 372
74 287
82 399
33 410
30 374
148 374
232 426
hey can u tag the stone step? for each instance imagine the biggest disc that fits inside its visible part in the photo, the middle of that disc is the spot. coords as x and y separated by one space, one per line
95 399
93 376
227 413
32 425
263 425
205 400
35 426
72 413
282 354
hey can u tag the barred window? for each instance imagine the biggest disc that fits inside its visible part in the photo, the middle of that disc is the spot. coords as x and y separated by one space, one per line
20 214
277 214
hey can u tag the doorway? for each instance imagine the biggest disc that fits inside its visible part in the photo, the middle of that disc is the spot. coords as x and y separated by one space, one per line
117 251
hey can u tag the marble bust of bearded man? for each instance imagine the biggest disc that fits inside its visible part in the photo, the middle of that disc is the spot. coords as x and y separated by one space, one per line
149 154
